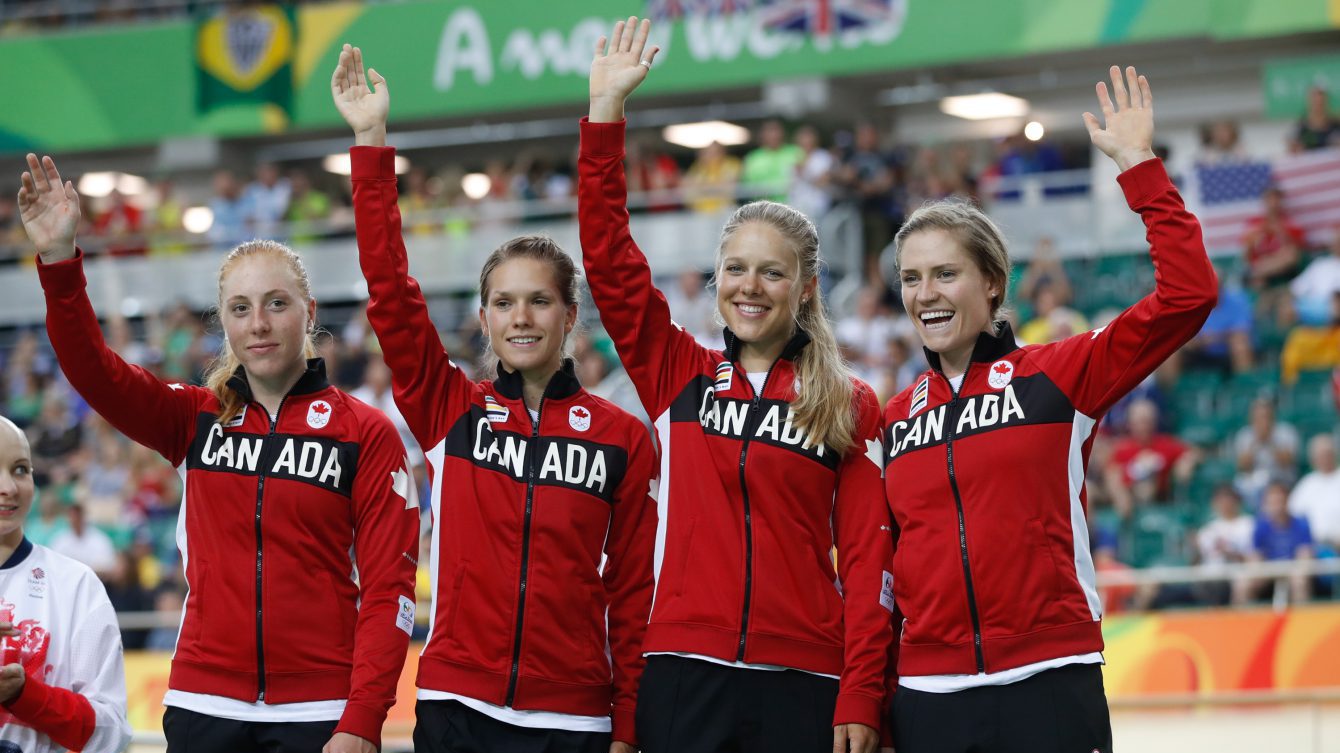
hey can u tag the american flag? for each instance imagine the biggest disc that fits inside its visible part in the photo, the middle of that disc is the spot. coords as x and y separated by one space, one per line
1229 196
823 18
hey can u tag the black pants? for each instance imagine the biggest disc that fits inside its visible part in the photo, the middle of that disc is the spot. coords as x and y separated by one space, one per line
1061 710
190 732
453 727
695 706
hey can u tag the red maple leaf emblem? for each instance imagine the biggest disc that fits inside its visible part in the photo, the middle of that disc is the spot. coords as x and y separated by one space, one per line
580 413
1001 368
320 408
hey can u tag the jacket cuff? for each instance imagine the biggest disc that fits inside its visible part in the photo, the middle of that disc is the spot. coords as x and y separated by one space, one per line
372 162
855 708
363 722
1143 181
603 138
32 698
62 274
623 726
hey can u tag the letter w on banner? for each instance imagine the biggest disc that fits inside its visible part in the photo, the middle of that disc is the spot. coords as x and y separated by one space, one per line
244 55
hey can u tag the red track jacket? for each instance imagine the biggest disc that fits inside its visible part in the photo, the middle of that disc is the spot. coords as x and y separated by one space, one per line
272 513
755 508
522 514
993 569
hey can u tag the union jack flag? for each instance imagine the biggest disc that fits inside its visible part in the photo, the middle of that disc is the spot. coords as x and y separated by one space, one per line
823 18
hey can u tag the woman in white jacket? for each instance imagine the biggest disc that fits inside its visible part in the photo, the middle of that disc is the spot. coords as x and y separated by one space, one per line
62 675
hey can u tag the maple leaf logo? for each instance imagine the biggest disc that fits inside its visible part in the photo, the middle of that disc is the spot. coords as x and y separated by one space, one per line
1002 368
402 483
320 408
874 452
579 413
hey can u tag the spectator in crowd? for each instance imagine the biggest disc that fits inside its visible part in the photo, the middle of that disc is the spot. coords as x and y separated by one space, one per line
307 208
902 367
267 200
127 594
1318 128
183 346
1316 496
1225 342
164 637
1279 536
1219 143
653 172
1044 269
118 227
231 211
867 178
11 231
864 334
695 309
1226 539
1265 449
1317 284
102 482
1274 247
770 167
1052 320
709 185
1145 462
56 434
85 542
810 192
166 221
416 201
1312 348
376 391
49 521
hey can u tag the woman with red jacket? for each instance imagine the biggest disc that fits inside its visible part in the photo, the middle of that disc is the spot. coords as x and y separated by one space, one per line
533 645
1001 636
297 527
770 459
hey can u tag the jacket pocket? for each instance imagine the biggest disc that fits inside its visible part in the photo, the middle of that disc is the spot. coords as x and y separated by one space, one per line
1044 554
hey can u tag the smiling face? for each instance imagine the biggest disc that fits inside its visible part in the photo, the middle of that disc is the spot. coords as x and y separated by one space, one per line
759 291
266 319
16 482
946 294
525 317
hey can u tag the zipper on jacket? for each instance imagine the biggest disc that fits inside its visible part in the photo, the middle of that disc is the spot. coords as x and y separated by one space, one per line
260 494
963 535
531 453
748 516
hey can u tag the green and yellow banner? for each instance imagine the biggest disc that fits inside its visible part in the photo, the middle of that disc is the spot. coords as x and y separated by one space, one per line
237 74
244 55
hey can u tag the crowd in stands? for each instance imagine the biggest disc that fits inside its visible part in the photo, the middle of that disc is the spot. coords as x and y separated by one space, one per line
1227 454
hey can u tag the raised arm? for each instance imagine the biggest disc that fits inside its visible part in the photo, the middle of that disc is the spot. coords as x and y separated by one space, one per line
428 387
1096 368
143 408
633 311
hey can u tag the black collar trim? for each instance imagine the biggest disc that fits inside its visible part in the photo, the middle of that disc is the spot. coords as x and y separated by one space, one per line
563 384
989 347
19 555
793 347
312 380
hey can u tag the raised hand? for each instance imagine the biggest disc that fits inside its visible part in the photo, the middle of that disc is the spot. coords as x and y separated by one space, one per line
50 210
1127 135
618 67
362 107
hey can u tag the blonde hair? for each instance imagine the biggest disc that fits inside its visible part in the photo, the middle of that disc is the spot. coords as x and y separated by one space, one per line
823 406
975 232
225 363
541 248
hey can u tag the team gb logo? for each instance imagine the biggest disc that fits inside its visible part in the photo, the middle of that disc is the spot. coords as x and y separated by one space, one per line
579 418
1000 375
318 414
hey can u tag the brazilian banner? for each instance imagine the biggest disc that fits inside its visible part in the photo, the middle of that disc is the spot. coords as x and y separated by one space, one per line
244 56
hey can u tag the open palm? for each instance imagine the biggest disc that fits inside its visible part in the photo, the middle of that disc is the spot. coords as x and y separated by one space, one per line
617 68
1127 131
362 107
48 206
